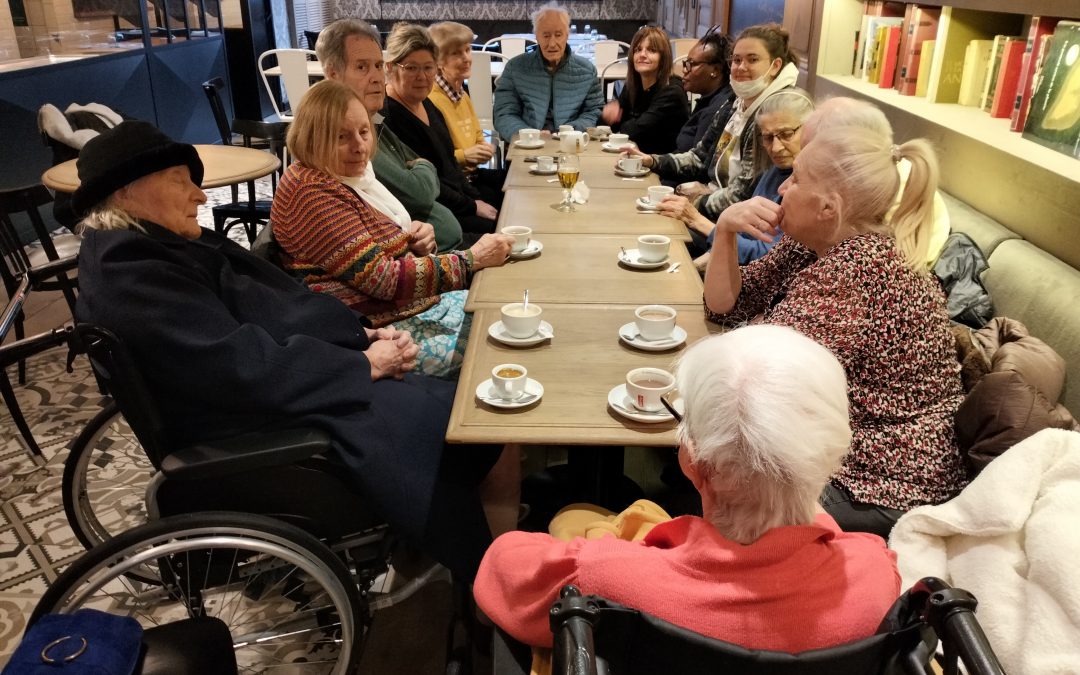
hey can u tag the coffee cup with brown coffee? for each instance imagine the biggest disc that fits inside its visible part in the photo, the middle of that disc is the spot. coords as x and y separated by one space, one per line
654 322
521 321
645 386
508 380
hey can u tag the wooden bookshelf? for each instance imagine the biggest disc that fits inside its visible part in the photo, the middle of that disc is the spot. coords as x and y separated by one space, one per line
1029 188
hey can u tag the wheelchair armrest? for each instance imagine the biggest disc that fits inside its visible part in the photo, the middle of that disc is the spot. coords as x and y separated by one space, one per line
245 453
53 268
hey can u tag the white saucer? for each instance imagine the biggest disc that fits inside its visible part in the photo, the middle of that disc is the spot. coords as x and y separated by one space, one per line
619 401
608 147
631 260
640 173
534 391
631 336
550 172
530 146
533 249
645 205
498 332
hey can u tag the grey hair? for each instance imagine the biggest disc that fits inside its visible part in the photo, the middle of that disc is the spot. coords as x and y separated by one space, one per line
788 101
406 38
330 47
842 111
548 9
766 424
108 216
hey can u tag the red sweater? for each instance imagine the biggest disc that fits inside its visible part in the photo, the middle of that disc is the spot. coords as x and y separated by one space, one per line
796 588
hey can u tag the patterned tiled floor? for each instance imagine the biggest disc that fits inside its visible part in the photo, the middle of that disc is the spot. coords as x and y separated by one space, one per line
36 542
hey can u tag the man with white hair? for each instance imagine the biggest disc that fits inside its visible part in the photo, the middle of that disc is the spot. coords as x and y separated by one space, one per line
549 86
766 425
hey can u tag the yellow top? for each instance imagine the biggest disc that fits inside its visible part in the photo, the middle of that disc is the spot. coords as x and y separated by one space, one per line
461 119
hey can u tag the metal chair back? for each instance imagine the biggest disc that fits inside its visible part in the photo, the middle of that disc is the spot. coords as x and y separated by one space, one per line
292 70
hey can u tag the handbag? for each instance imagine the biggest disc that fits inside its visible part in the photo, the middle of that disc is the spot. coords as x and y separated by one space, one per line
87 642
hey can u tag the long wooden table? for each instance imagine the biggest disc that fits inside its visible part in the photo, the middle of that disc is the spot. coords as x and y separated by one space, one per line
608 212
577 367
596 172
585 269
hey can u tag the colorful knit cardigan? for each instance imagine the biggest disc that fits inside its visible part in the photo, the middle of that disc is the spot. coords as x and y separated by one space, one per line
339 245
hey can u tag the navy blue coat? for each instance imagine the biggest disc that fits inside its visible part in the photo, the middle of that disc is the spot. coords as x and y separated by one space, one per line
229 343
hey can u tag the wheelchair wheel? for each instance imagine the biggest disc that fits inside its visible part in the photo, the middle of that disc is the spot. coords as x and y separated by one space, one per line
105 479
289 603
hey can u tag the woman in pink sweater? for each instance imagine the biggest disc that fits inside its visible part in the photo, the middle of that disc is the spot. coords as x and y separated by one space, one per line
766 424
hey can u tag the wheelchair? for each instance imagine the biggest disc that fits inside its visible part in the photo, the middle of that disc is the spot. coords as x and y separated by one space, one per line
248 554
593 636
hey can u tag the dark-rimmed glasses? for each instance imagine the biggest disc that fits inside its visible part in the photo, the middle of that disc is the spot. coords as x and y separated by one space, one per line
784 136
689 64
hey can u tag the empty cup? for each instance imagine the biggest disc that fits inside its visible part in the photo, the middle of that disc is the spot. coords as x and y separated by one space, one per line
655 322
521 235
653 247
563 128
521 321
508 380
645 386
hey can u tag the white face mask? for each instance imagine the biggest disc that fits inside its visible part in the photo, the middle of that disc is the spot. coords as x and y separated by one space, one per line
751 88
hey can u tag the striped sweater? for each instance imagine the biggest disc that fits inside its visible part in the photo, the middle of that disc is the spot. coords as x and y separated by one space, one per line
339 245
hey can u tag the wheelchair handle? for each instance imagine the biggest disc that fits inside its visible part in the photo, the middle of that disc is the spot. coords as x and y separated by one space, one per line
951 613
572 618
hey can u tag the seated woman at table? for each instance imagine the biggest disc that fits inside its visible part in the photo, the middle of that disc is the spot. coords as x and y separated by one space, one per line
779 122
706 74
652 106
453 42
338 243
410 54
350 52
859 285
740 573
228 343
720 170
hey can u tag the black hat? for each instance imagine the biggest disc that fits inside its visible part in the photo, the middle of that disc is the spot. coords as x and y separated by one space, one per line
124 154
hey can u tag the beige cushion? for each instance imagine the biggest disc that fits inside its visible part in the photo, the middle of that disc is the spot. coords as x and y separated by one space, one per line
986 232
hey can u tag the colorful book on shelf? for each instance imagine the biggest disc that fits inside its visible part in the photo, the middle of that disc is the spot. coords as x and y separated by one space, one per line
924 25
1054 117
976 58
1043 50
874 47
889 57
922 80
956 28
993 67
872 9
1040 27
905 35
1008 78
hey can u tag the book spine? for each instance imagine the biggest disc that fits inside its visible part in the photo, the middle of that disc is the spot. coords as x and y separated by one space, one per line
892 53
1008 79
1040 27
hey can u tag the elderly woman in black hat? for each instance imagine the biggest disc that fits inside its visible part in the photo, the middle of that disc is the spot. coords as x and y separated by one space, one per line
228 343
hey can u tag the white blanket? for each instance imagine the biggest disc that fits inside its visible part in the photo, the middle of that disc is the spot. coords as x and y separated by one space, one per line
1012 538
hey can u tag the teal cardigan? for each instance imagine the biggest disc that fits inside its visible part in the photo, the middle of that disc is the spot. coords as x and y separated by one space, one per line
527 90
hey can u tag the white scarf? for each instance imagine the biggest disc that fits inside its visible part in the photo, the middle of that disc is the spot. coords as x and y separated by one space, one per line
375 193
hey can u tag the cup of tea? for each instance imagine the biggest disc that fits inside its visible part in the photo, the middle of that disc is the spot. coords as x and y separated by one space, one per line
521 321
545 163
645 386
653 247
521 235
529 136
629 164
656 193
654 322
618 140
563 128
508 380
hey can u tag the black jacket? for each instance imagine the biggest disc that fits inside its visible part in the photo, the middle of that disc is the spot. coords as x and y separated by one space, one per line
653 122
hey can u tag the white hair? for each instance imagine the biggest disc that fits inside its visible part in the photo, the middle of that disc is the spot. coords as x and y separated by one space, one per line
108 216
842 111
549 9
766 424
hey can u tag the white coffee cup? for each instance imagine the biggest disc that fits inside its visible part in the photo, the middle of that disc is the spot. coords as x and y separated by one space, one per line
655 322
508 380
521 235
529 136
618 140
645 386
573 142
520 321
563 128
629 164
656 193
603 131
545 163
653 247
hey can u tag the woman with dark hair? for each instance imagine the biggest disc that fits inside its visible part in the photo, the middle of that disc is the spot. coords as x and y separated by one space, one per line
706 74
652 106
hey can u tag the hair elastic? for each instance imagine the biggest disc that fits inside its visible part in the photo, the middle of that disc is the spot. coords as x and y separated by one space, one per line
895 152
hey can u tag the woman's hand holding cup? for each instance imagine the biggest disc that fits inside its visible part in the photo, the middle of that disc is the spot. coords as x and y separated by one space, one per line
492 250
632 151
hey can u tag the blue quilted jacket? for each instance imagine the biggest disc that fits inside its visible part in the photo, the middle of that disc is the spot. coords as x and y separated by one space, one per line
526 91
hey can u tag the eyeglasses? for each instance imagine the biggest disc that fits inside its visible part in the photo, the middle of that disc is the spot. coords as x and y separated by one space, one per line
411 69
690 64
784 136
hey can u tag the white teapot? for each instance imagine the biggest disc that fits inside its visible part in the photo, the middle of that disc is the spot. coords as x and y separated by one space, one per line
573 142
